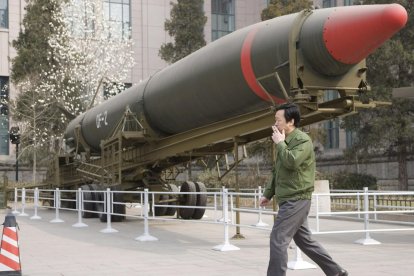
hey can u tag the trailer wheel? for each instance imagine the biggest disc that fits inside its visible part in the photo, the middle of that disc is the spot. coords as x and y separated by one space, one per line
201 200
161 210
117 208
171 210
88 205
187 200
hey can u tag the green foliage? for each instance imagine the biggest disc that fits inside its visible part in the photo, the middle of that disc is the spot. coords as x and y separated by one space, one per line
32 43
352 181
388 129
281 7
186 26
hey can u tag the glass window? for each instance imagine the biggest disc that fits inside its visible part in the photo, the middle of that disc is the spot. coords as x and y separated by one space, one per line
329 3
332 131
4 116
222 17
332 126
348 2
350 138
4 14
117 12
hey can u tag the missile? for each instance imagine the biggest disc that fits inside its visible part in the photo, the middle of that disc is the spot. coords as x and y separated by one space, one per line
221 80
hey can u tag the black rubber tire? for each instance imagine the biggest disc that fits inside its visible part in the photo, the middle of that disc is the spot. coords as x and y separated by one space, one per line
171 210
101 208
88 206
187 200
162 210
201 200
118 208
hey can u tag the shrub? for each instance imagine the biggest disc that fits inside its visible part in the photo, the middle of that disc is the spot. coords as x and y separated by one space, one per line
353 181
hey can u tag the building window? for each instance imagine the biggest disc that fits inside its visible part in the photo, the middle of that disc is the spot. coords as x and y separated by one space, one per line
331 126
332 130
222 18
350 138
118 14
4 116
348 2
329 3
4 14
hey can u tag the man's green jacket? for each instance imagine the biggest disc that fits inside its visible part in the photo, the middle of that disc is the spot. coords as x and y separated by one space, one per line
294 171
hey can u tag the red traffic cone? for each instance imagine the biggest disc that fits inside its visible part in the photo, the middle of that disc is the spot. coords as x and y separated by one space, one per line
9 251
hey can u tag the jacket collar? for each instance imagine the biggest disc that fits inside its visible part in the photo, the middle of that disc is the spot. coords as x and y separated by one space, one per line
291 135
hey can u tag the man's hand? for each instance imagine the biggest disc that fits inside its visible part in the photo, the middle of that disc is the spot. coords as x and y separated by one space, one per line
278 136
263 201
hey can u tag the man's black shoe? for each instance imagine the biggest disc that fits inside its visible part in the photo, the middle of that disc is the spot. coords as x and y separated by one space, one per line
343 272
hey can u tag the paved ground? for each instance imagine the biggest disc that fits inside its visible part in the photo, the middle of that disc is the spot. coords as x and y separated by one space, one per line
185 248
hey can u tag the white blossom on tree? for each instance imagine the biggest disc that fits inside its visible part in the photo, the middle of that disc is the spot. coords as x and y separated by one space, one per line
89 60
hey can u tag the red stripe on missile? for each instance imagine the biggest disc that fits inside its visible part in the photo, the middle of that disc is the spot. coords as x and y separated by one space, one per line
247 69
351 34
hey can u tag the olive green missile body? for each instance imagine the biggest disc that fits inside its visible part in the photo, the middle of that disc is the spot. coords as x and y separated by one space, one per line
225 78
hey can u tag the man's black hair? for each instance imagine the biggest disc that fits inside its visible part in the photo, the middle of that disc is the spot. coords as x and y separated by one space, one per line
291 112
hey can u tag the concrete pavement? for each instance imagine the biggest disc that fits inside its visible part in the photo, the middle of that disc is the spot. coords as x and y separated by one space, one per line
185 248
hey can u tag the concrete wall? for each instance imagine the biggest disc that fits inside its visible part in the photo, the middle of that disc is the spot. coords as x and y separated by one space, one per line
383 168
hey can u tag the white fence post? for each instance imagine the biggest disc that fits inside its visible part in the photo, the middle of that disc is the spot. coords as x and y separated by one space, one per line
108 203
57 206
36 204
15 212
259 223
146 236
23 214
226 246
79 204
367 240
299 263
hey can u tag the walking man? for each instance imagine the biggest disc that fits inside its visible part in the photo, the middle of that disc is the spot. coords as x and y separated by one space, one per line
292 185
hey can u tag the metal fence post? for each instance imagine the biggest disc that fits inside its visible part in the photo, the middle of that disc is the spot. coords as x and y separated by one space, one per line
108 203
226 246
367 240
146 236
57 206
23 214
259 223
298 262
79 204
36 204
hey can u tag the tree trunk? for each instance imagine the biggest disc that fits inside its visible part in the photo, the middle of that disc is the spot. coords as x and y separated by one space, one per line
402 168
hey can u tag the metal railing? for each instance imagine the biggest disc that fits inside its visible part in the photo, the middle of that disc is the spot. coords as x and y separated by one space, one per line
362 206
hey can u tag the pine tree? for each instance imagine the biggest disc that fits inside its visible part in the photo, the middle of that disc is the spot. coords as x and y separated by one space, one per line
186 26
32 43
282 7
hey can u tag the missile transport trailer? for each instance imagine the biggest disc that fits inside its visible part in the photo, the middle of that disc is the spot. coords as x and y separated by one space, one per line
223 96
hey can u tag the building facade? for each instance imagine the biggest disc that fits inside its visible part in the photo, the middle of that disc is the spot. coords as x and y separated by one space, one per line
145 18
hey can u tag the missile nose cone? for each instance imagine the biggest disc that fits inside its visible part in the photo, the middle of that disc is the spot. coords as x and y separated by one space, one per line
351 34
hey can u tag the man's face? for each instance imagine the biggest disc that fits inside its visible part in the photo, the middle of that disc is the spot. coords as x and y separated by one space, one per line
280 121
